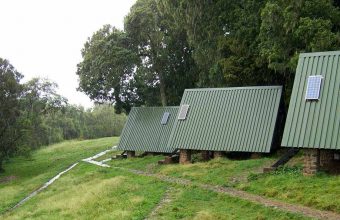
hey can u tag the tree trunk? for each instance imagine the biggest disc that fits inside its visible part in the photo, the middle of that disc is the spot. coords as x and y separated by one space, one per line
162 90
1 168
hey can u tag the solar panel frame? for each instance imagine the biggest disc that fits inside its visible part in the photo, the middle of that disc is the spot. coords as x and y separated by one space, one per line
165 118
182 115
313 87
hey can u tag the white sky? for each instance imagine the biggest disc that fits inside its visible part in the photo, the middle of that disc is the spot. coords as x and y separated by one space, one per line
43 38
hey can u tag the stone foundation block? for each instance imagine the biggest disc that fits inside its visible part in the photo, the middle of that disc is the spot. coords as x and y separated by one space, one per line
311 161
131 154
218 154
184 156
255 156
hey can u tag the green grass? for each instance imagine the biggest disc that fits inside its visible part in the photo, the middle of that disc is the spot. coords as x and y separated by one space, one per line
44 164
148 163
91 192
222 172
194 203
289 185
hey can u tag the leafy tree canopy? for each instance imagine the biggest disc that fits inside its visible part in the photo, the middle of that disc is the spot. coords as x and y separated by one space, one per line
150 63
185 43
242 43
10 91
107 69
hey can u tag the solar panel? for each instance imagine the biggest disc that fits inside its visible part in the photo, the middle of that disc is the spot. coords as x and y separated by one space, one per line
313 87
165 118
183 112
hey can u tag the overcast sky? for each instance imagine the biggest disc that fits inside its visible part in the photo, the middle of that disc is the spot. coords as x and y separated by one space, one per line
43 38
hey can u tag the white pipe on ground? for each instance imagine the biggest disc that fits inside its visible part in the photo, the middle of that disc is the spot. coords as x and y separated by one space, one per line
44 186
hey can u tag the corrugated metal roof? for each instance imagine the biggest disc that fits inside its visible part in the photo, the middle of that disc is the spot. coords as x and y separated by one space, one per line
315 124
143 130
228 119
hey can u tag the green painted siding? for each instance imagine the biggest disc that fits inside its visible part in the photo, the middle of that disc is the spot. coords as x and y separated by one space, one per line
143 130
315 124
228 119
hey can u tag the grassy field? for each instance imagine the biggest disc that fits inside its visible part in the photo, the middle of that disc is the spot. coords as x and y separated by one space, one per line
194 203
287 184
221 172
89 191
30 173
290 185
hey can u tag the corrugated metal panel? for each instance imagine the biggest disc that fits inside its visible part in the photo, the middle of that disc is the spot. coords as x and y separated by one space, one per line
315 124
228 119
143 130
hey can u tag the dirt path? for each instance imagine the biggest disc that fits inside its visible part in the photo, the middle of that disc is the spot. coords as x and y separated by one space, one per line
307 211
165 200
7 179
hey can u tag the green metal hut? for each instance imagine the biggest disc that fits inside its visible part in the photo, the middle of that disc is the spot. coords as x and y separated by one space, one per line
148 129
313 120
238 119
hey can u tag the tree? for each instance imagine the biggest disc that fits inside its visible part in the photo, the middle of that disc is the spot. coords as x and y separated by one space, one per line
101 121
149 64
242 43
223 35
143 25
184 44
291 27
107 68
10 91
39 99
166 62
